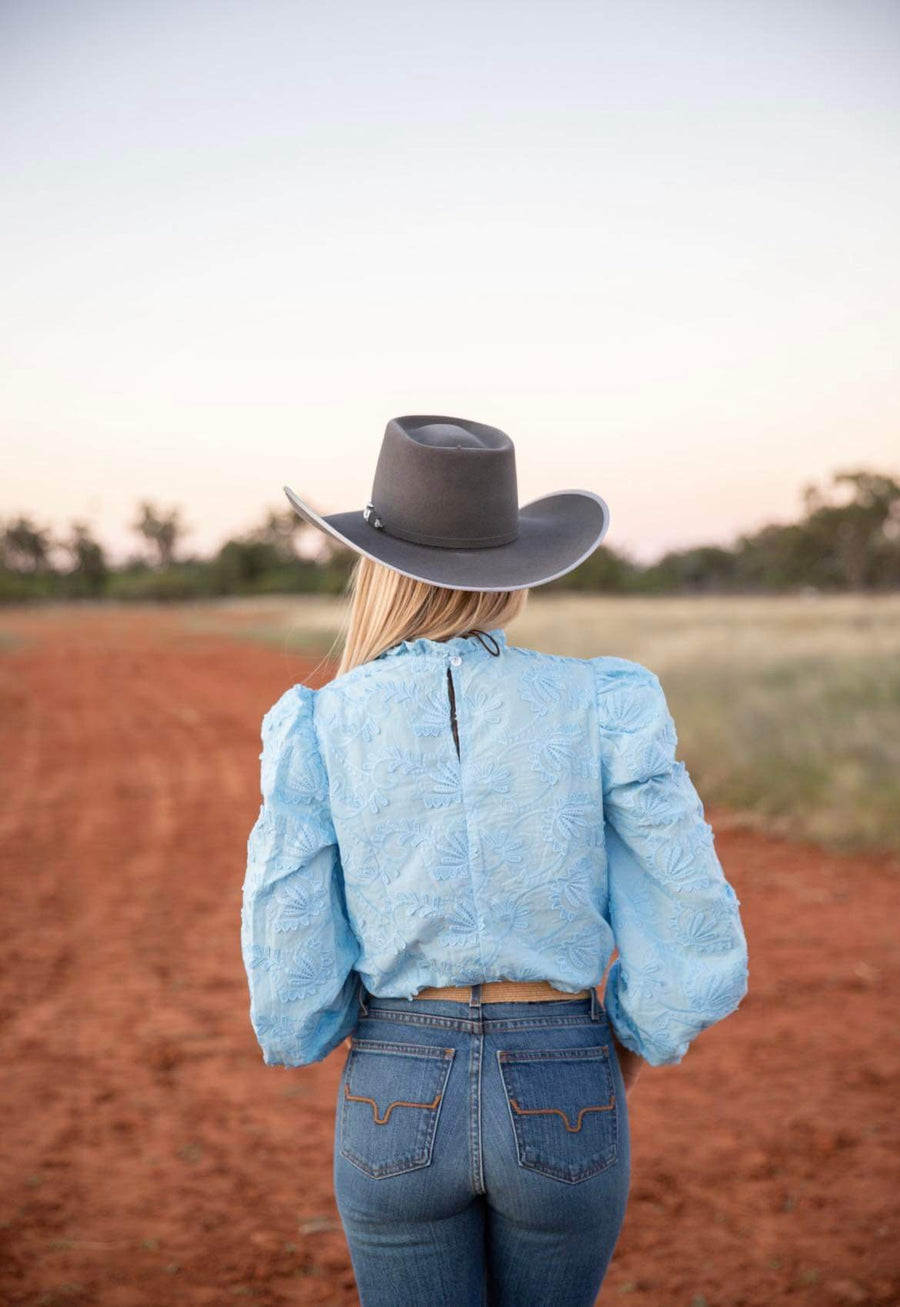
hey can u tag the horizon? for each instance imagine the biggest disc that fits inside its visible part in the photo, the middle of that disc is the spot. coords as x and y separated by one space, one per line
310 535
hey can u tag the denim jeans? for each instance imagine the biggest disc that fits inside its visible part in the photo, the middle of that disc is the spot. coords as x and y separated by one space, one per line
482 1152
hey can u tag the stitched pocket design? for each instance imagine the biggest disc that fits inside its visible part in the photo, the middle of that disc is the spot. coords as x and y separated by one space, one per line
562 1105
391 1099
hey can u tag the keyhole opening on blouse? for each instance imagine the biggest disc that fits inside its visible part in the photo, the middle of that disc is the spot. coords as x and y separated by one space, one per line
451 691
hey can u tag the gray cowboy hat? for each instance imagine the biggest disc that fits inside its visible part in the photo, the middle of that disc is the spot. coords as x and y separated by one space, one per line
445 510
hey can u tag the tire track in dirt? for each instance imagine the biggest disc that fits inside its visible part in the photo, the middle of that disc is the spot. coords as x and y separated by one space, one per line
22 717
206 1024
37 842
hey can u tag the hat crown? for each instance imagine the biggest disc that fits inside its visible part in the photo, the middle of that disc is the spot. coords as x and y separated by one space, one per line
453 435
446 481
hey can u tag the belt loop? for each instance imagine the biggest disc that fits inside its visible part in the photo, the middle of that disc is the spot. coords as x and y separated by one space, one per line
595 1004
475 999
360 994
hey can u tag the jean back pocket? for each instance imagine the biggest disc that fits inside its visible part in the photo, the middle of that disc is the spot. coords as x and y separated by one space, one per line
562 1104
391 1099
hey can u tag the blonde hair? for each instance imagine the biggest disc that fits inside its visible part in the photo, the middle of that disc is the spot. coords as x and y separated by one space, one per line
387 607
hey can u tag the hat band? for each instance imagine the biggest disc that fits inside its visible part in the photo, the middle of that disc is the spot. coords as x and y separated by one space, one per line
442 542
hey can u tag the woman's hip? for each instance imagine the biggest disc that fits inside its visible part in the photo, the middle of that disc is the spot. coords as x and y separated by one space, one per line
521 1102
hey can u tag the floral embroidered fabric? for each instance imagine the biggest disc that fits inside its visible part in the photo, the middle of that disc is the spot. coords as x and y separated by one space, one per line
564 830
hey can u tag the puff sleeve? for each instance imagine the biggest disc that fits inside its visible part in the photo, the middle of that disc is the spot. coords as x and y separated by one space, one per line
297 945
682 953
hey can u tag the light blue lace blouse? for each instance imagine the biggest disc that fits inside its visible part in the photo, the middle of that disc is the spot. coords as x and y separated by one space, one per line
559 829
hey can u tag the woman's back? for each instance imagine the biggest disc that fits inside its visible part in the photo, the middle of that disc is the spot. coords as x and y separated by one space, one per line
460 811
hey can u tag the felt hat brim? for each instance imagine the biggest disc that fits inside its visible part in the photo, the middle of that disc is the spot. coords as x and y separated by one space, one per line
556 533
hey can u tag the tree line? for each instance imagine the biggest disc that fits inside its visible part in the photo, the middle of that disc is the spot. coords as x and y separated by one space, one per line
846 538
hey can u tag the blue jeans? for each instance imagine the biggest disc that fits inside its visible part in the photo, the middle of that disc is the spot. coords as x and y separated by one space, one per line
482 1153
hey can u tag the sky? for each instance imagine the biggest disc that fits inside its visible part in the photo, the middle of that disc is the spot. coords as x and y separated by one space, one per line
654 242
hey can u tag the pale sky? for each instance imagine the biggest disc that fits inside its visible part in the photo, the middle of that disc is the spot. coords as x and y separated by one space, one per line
654 241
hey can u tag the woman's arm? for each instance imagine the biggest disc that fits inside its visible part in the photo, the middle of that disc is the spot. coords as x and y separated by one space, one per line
682 961
630 1065
297 944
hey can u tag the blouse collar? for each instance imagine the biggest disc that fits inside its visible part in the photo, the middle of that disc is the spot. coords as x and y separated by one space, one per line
456 644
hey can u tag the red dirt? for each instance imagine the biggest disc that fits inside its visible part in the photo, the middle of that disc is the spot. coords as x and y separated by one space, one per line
149 1158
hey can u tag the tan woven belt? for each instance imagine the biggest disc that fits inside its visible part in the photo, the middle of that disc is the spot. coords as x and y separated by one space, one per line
502 991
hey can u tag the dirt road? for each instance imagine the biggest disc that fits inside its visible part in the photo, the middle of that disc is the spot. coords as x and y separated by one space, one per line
149 1158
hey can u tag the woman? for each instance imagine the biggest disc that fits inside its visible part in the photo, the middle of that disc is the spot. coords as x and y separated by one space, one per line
456 836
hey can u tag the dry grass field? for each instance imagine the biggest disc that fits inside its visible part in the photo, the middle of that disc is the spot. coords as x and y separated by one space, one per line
150 1159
